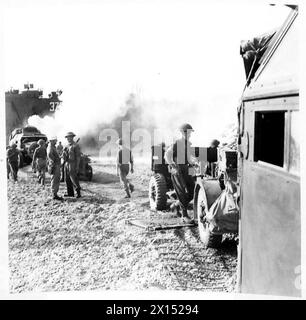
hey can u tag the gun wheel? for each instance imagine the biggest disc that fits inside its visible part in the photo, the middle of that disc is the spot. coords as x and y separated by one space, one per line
158 192
209 239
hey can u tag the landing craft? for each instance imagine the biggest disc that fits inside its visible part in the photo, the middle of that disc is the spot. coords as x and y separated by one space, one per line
20 105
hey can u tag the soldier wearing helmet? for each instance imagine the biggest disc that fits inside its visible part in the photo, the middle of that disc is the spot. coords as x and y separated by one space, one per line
13 157
39 161
212 167
179 157
214 143
72 158
123 163
54 163
60 149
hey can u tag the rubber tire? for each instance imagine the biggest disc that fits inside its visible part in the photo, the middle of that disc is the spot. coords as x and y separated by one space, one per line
209 239
158 192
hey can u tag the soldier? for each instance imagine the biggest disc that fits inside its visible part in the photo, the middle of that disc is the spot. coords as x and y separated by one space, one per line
72 157
212 168
59 148
8 170
13 157
54 164
39 162
123 162
179 158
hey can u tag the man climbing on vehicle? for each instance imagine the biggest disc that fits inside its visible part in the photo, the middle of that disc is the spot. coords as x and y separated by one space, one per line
179 158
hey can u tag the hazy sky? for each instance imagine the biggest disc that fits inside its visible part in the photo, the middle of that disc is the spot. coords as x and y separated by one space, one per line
186 52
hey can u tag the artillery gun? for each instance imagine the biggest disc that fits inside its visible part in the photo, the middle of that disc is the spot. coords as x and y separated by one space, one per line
207 195
85 169
216 169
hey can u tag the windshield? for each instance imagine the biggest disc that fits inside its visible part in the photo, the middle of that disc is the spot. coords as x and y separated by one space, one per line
32 139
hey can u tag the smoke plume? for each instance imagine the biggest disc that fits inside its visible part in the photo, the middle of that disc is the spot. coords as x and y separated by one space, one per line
91 112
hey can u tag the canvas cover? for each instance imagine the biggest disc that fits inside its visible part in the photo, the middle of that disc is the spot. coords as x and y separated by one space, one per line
252 51
223 214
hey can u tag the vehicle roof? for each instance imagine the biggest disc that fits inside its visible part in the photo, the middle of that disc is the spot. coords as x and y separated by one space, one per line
278 71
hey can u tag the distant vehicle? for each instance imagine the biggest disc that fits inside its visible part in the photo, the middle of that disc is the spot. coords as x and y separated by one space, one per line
26 139
85 169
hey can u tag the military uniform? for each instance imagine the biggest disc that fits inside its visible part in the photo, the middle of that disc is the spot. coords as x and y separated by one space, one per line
183 183
124 157
72 157
13 156
54 163
179 157
40 163
60 150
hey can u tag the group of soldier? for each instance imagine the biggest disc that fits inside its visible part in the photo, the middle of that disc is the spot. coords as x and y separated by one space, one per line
177 156
51 157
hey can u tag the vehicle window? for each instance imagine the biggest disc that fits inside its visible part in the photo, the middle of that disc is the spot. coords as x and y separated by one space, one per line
31 139
294 147
269 137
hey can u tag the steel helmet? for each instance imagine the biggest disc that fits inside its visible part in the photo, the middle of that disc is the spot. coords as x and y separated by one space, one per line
186 127
69 134
215 143
41 142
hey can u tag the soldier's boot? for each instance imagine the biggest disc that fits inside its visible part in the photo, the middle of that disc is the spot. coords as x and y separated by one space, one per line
132 188
185 218
78 193
56 197
128 195
175 207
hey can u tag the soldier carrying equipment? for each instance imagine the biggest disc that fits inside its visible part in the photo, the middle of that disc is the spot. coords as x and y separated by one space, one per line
72 157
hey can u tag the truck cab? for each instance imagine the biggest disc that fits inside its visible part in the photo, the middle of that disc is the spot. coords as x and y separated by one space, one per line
269 170
26 139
